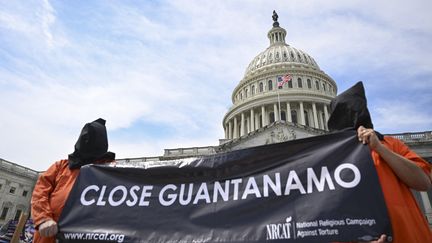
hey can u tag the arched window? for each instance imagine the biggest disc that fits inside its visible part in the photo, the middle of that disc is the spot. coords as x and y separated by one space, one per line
299 83
324 87
317 85
294 116
283 116
309 84
270 85
306 117
272 117
246 93
241 96
253 89
261 87
290 85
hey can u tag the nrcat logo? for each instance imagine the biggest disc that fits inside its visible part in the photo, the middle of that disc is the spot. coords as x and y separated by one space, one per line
279 231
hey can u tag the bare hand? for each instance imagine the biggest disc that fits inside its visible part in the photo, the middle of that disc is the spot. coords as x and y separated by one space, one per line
382 239
48 228
368 136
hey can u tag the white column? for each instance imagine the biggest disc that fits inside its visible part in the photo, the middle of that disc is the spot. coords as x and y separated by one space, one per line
276 112
248 125
252 120
326 116
230 131
235 128
288 114
302 117
315 117
226 130
242 125
257 122
263 116
321 120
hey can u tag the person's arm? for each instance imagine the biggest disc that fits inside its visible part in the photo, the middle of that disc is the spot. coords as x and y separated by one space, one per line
40 202
406 170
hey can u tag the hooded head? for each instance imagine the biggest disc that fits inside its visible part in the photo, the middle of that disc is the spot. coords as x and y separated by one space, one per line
92 145
349 110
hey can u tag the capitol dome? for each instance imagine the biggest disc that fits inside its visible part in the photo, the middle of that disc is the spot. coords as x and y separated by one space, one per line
279 52
281 84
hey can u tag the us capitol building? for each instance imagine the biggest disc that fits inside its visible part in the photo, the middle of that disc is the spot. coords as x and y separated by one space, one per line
263 112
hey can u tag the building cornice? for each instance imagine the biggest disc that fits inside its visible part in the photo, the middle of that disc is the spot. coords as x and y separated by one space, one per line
18 170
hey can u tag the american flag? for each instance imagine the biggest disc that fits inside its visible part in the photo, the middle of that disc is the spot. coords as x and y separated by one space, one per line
284 79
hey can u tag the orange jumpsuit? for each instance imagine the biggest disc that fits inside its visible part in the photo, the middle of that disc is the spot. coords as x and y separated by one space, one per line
409 225
50 194
408 222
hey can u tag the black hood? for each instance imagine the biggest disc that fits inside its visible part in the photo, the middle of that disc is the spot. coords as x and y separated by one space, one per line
349 110
92 145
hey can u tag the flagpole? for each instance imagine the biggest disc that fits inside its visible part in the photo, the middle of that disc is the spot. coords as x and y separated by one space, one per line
280 118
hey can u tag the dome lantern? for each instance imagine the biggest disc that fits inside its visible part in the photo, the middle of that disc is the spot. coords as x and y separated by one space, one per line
276 34
279 52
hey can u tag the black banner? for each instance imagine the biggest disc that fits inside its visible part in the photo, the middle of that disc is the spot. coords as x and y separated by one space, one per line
319 189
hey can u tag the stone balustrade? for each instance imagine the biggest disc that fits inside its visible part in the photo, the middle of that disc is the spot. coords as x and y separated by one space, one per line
413 137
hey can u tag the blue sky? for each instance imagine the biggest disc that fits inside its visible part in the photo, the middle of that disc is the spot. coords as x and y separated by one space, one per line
161 72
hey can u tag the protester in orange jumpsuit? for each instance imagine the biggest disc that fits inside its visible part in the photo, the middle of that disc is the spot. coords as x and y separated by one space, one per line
398 168
54 185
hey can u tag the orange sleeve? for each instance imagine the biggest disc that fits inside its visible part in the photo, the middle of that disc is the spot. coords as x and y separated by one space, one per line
402 149
40 202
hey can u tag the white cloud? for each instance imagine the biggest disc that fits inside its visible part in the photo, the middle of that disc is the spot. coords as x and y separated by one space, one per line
47 17
401 116
32 23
